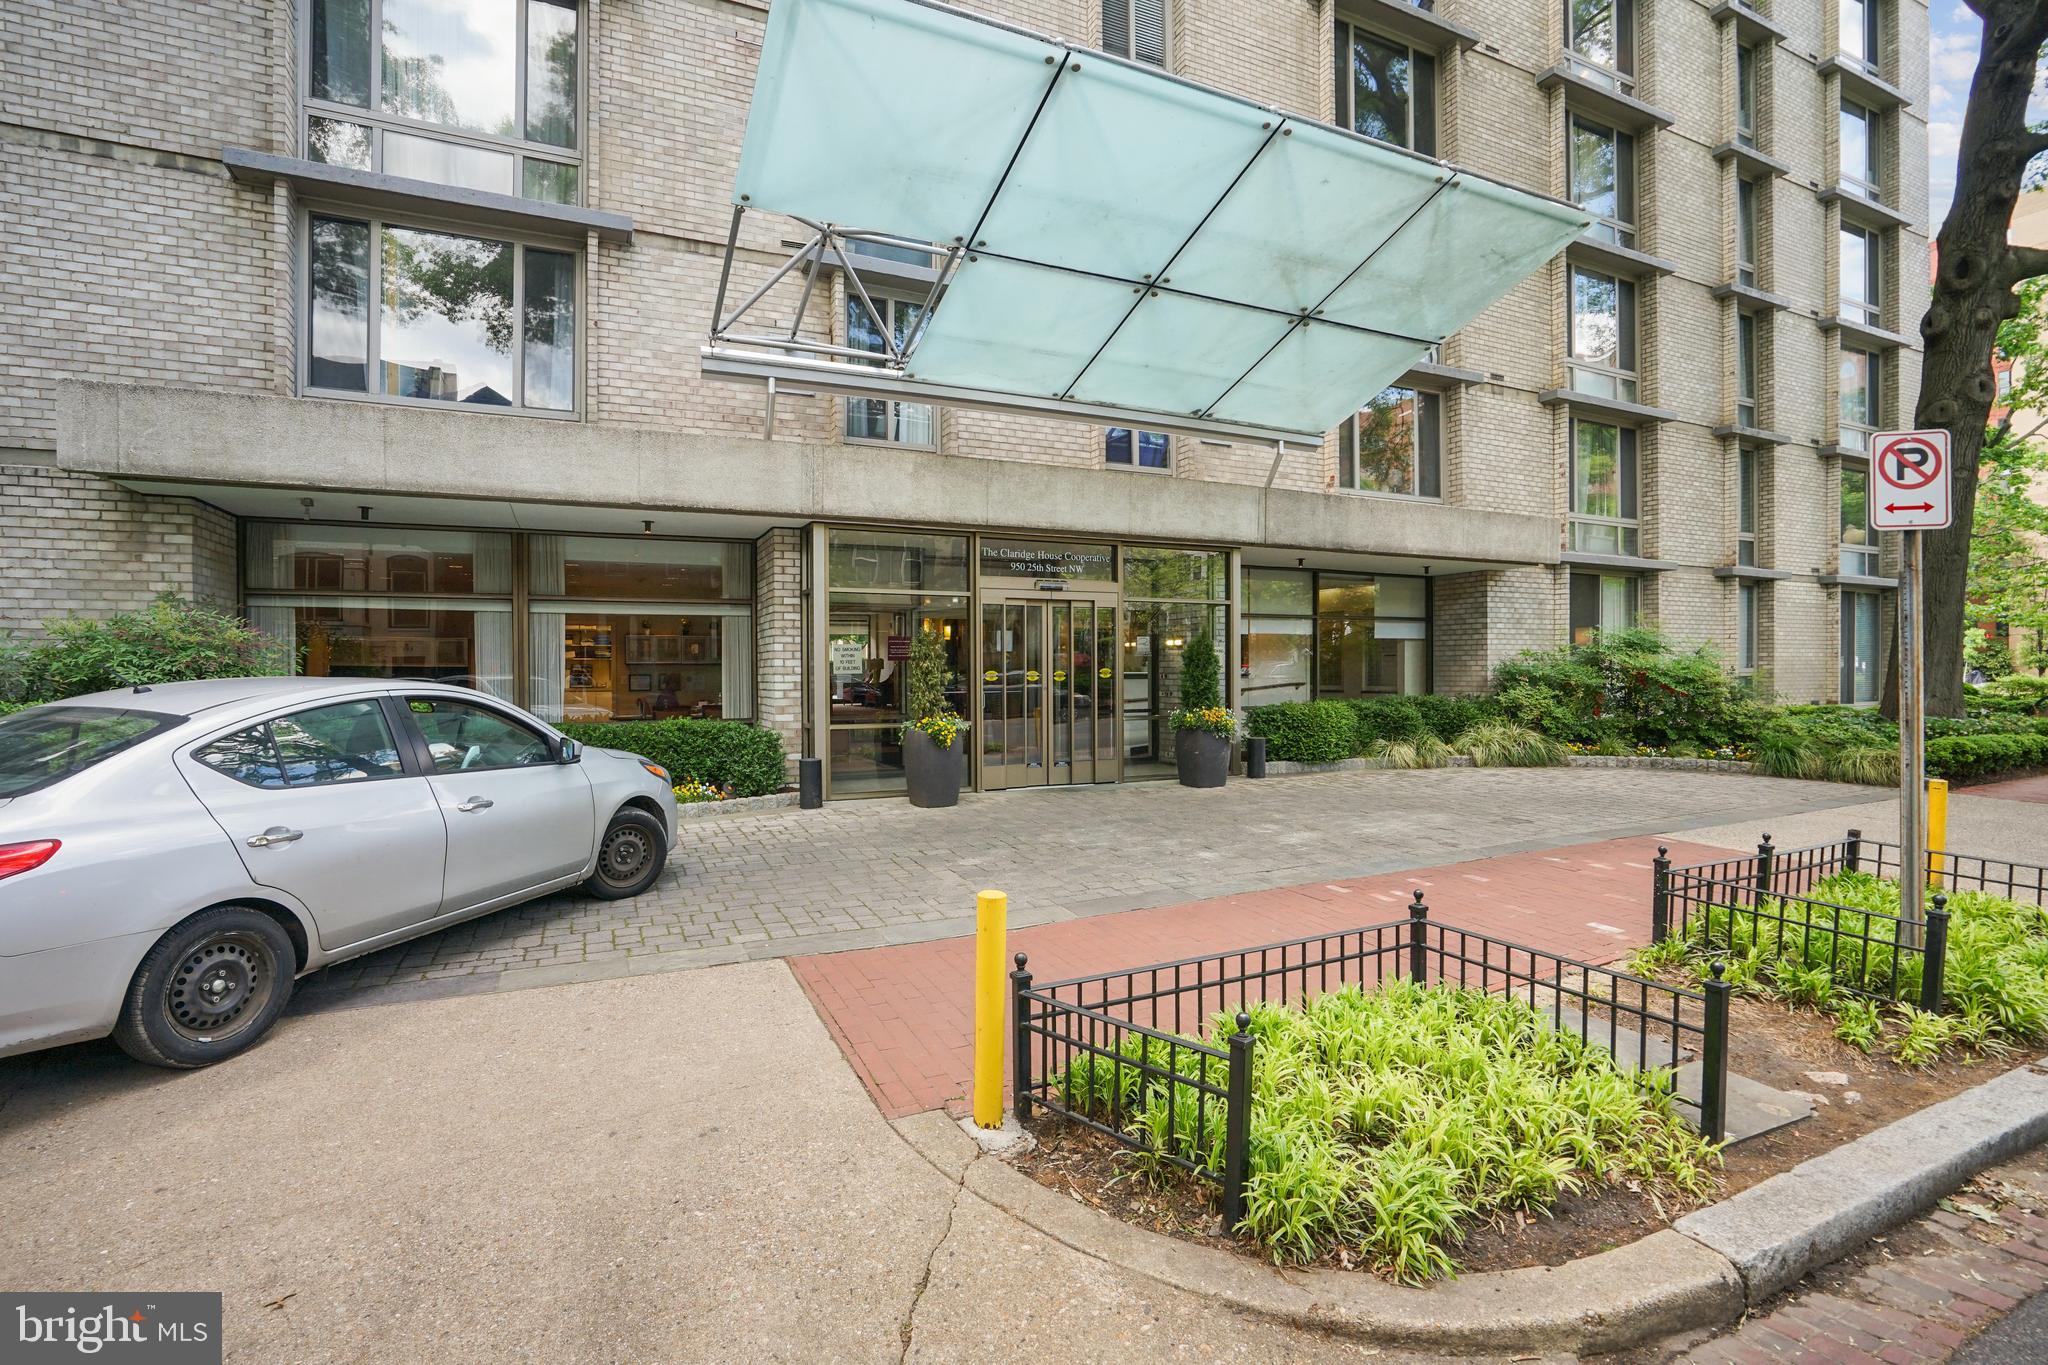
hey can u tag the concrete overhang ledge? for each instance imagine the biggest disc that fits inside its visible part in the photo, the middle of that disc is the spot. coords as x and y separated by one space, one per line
136 433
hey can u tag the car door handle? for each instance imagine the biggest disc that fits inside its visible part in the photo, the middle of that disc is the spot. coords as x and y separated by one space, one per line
476 803
276 834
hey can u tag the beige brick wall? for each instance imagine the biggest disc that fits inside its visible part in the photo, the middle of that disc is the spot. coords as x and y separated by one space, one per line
71 544
128 255
779 636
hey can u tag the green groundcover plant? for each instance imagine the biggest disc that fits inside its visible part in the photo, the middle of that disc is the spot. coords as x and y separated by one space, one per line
738 758
1838 955
1387 1124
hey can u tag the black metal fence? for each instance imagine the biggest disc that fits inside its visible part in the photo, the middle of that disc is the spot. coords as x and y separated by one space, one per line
1128 1031
1764 899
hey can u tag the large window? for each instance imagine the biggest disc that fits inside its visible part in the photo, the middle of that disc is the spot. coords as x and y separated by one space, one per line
1862 287
1603 488
1601 603
1859 542
1860 381
1745 95
1136 29
614 627
1746 367
884 419
438 317
1857 31
1603 178
480 94
1860 163
1394 445
1372 635
1748 207
1170 595
1130 449
1600 39
1385 88
1859 646
1602 335
886 587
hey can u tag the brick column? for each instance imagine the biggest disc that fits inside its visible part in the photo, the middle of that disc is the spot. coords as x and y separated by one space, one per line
778 635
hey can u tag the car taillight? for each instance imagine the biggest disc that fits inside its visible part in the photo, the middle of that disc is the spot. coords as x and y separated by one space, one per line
26 857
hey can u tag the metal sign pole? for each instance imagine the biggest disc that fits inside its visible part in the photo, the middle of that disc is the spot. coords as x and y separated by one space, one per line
1912 747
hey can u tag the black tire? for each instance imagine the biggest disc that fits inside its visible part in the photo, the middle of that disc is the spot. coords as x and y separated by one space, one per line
210 988
630 857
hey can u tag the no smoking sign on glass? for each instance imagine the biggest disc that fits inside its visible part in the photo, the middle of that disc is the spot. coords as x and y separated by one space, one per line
1909 488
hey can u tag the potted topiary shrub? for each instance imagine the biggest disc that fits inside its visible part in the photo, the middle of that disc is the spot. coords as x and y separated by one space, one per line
932 744
1203 727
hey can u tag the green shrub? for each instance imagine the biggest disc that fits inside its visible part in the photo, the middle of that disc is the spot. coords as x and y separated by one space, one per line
1449 717
1630 684
1423 751
1980 755
724 753
1201 677
1304 731
170 640
1385 718
1504 744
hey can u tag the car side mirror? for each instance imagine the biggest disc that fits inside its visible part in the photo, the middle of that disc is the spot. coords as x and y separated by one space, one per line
568 751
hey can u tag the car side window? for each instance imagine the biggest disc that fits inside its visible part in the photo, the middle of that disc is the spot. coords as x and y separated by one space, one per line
348 742
463 736
246 755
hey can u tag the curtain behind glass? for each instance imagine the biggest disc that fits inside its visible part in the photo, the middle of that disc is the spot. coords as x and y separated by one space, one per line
277 622
494 653
544 666
736 668
547 571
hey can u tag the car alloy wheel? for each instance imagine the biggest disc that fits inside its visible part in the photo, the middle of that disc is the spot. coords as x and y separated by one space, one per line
220 987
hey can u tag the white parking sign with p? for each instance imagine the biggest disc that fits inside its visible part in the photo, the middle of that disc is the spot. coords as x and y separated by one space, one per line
1909 488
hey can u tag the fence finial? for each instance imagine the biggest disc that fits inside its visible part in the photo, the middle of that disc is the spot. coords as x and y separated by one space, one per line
1244 1022
1022 961
1418 910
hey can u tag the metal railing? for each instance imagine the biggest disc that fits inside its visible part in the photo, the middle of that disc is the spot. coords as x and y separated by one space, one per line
1112 1051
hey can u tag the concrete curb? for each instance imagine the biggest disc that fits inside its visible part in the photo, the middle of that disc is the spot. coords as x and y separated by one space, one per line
1705 1271
1775 1232
739 805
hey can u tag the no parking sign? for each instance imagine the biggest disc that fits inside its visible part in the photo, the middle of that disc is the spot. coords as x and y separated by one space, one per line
1910 490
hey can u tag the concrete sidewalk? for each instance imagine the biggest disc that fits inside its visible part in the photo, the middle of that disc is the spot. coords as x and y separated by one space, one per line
670 1168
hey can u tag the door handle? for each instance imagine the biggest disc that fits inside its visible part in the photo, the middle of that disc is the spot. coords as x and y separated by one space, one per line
476 803
276 834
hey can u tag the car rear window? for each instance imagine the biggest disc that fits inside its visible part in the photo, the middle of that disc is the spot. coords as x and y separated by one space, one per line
46 744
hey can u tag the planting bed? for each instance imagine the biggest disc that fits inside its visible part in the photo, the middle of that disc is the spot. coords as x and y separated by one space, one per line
1769 1042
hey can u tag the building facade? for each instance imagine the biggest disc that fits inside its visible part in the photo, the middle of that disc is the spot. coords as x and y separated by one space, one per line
378 320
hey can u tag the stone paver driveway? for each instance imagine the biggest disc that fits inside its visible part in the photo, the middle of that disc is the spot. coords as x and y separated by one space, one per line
867 873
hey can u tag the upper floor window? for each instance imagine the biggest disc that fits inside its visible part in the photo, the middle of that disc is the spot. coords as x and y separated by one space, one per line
1861 276
1745 506
410 313
1601 335
1860 166
1745 95
1600 37
1603 488
1859 542
884 419
1385 88
1394 445
1137 449
1748 209
1857 31
1746 367
1861 376
479 94
1603 178
1135 29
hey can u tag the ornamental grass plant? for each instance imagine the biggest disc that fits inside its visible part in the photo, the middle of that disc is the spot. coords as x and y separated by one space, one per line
1385 1125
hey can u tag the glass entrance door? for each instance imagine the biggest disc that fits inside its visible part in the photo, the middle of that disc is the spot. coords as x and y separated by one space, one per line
1048 692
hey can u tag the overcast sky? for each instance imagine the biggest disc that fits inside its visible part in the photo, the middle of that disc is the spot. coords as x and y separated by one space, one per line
1953 35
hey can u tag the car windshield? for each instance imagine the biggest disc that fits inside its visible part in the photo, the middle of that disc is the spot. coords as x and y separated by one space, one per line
46 744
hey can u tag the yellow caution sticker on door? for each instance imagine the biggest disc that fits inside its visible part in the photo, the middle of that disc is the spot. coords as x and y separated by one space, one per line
1030 675
1103 674
1059 675
990 676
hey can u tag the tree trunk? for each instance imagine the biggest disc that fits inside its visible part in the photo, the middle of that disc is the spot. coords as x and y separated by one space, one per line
1973 294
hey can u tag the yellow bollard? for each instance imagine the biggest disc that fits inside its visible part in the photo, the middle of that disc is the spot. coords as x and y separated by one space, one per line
991 916
1937 830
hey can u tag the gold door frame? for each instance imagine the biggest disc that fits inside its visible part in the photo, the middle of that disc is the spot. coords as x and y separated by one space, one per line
1047 712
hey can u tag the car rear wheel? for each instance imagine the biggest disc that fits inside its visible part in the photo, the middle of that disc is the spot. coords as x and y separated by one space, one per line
630 857
209 988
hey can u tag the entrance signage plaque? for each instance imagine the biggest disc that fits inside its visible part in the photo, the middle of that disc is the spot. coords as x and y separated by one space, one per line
1050 563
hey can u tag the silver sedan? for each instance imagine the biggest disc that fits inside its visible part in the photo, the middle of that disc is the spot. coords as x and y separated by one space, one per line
173 857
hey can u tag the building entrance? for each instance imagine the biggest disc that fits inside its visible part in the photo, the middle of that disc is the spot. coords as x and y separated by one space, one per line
1048 714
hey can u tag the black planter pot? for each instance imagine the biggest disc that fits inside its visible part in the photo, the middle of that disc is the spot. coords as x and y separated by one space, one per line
934 773
1203 758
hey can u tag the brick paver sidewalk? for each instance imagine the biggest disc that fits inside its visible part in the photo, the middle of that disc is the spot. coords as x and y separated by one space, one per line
904 1015
2017 789
1915 1297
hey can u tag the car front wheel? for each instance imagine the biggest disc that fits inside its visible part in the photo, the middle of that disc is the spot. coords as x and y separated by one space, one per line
209 988
630 857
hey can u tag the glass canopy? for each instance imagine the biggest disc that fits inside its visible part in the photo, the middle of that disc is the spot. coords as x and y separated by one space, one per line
1111 238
